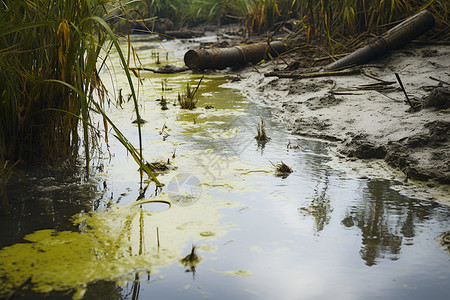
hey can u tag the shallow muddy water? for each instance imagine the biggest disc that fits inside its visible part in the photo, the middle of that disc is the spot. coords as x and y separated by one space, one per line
316 234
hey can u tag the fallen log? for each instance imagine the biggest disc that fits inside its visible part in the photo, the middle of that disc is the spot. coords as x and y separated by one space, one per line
409 29
183 34
167 69
220 58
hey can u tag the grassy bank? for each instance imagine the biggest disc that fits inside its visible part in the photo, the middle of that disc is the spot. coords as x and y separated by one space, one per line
319 18
51 55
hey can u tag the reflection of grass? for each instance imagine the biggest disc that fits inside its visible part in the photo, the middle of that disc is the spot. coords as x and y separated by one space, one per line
191 260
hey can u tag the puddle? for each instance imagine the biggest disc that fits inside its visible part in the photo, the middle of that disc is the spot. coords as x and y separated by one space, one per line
315 233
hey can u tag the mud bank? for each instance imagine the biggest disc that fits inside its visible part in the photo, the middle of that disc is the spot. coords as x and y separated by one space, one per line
366 115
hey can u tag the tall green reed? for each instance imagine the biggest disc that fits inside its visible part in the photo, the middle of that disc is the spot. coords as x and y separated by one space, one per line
325 20
332 20
50 84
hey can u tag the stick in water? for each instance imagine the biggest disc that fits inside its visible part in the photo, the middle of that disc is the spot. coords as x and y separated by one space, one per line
404 91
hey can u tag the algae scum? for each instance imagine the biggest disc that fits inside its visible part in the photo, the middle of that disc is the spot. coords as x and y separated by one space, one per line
224 226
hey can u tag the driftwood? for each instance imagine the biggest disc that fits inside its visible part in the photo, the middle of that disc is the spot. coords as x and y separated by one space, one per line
167 69
220 58
409 29
184 34
440 81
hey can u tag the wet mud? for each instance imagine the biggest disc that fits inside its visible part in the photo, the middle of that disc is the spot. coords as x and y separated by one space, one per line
367 115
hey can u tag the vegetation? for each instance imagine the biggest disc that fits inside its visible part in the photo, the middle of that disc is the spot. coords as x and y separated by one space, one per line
282 170
188 100
52 52
50 57
261 135
325 19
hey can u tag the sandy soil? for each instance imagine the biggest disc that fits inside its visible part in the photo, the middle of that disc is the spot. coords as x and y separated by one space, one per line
368 119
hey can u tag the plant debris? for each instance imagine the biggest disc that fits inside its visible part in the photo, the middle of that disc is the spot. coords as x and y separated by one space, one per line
261 136
282 170
188 100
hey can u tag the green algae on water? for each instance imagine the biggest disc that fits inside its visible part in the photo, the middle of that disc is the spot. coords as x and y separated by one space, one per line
110 245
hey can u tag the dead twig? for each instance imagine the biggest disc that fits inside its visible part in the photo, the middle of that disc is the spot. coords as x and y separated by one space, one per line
438 80
404 91
348 71
376 78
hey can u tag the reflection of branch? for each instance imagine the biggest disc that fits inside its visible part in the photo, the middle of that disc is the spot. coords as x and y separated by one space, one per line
136 287
141 231
321 205
383 224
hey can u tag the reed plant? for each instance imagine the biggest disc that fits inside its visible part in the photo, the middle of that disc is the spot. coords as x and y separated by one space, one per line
188 99
332 21
261 135
50 57
326 20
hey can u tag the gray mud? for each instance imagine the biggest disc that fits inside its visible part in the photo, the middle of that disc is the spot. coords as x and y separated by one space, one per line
366 116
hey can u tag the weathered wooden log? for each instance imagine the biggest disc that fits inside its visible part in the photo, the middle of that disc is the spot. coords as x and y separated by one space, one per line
220 58
167 69
184 34
409 29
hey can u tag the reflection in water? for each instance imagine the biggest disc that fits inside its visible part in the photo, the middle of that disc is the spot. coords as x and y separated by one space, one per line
316 155
385 218
47 199
320 207
190 261
136 287
111 245
244 220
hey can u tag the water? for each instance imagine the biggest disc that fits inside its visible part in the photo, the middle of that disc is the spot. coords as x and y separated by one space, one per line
316 234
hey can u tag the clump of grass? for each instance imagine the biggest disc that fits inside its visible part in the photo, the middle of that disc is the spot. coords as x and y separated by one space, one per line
185 102
282 170
165 85
158 167
155 56
164 103
261 135
188 100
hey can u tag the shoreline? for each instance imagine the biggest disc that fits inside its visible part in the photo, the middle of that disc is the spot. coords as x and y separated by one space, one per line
372 126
